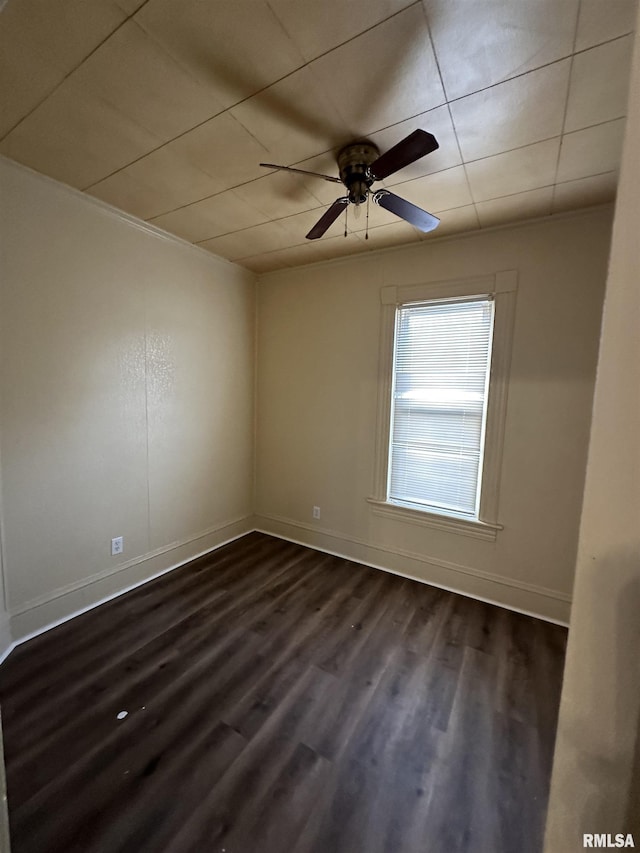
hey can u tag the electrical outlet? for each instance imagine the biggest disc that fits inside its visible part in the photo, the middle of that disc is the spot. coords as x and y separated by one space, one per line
316 512
117 545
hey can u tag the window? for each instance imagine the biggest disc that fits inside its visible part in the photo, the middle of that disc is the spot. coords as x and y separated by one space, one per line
439 404
444 364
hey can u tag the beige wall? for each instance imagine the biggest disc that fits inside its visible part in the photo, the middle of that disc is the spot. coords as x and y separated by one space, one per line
318 345
127 399
596 776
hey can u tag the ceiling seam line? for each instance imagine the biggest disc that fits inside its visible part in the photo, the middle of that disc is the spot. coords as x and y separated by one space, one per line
320 56
353 38
400 183
305 64
291 215
73 70
586 177
402 121
545 187
433 233
566 106
253 180
436 212
355 233
453 125
258 224
537 68
431 237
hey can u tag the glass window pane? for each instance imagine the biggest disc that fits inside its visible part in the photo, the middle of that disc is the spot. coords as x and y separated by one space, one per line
441 369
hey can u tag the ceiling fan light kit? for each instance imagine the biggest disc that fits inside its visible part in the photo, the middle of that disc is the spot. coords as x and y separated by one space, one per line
360 164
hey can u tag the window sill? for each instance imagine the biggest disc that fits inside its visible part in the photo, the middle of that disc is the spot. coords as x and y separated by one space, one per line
450 524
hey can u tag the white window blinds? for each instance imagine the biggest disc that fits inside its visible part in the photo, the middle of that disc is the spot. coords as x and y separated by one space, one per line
440 387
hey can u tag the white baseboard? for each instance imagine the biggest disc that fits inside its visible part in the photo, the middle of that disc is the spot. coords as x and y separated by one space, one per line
529 599
46 612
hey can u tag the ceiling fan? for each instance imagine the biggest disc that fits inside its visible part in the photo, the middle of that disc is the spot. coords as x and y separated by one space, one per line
360 165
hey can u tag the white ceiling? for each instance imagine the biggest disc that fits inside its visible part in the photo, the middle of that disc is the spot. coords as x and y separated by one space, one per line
165 108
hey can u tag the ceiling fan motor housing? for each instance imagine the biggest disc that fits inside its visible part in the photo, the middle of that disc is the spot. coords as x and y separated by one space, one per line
354 161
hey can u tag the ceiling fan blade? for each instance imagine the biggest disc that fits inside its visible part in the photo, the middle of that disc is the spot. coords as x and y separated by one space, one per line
407 151
327 218
301 172
416 216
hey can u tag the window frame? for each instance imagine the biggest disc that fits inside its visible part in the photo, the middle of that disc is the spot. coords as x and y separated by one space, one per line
502 288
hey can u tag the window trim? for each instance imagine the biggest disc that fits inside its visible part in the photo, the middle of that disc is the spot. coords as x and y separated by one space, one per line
502 287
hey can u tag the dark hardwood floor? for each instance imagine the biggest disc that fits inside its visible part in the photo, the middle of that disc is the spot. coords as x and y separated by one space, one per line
280 700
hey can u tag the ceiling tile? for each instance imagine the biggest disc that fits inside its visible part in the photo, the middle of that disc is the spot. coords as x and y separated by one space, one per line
319 27
514 172
234 49
383 76
211 217
130 6
298 226
277 260
293 119
441 191
324 249
525 205
155 184
77 138
138 78
134 196
278 194
516 113
591 151
164 177
223 149
454 221
602 21
251 241
325 164
586 192
438 122
41 42
161 182
483 42
267 262
599 84
292 257
392 234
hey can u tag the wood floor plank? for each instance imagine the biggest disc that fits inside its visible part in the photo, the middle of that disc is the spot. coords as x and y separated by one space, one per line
109 628
282 700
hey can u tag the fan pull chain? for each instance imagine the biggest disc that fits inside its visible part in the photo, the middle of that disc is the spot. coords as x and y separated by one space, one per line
366 233
346 213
